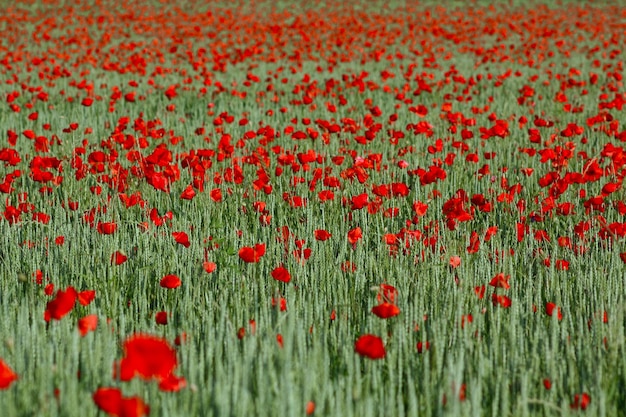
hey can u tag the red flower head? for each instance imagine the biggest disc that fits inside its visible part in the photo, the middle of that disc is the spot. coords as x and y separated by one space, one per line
322 235
252 255
161 318
148 357
386 310
111 401
7 376
61 305
87 324
370 346
581 401
500 281
552 308
423 346
107 228
455 261
501 300
209 266
354 236
86 297
118 258
188 193
170 281
387 294
181 238
281 274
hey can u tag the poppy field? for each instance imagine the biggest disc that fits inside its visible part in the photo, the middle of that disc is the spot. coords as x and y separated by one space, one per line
285 208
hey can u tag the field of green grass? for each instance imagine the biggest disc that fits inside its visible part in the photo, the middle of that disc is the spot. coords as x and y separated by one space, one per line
371 210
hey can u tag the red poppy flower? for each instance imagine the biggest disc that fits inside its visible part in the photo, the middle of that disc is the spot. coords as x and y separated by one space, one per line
420 208
216 195
501 300
423 346
159 220
147 357
551 308
480 291
7 376
281 302
188 193
386 310
170 281
281 274
38 277
181 238
106 228
561 265
41 217
252 255
500 281
87 324
322 235
12 214
462 394
118 258
209 266
355 235
399 189
48 289
134 407
86 297
180 339
111 401
474 243
172 383
370 346
326 195
161 318
158 180
359 201
565 242
455 261
387 294
581 401
170 93
302 254
310 408
61 305
108 400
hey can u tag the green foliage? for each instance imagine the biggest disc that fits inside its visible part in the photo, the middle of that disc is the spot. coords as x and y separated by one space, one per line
501 357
